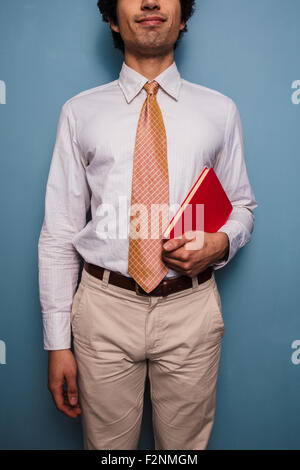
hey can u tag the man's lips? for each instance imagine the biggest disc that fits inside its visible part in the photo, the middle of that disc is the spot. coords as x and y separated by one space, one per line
151 21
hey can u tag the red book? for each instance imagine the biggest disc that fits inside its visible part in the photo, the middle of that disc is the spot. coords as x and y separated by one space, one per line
206 198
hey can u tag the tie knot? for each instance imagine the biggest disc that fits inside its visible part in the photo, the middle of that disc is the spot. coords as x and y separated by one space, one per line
151 87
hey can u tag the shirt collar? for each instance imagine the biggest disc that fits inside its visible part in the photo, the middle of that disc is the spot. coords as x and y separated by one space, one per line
131 81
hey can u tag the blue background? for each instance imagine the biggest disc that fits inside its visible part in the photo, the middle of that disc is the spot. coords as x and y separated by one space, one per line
248 50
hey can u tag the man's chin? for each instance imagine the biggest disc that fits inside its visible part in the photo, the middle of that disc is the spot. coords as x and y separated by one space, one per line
146 48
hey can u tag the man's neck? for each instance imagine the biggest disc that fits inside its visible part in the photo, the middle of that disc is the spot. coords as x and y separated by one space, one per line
149 67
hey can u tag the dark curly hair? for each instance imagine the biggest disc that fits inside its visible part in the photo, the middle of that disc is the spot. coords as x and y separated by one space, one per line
108 9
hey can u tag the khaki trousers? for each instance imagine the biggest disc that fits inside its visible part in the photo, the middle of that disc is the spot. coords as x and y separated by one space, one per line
119 336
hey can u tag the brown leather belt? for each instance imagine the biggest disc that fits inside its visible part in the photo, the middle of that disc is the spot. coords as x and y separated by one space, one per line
165 287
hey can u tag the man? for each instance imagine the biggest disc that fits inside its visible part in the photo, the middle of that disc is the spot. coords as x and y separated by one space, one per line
143 304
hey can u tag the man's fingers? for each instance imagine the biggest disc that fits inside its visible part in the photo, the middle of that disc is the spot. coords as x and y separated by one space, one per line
180 255
177 260
188 238
72 391
58 397
67 403
62 371
172 263
196 240
173 244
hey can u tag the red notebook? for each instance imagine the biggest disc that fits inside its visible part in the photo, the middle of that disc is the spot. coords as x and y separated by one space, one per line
208 191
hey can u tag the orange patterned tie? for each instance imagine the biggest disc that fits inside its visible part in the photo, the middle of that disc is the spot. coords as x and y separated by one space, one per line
150 185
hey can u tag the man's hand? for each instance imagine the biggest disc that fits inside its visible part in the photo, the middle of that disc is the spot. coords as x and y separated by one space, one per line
62 368
191 257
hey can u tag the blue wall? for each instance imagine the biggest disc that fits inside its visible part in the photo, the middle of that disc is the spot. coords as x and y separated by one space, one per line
49 51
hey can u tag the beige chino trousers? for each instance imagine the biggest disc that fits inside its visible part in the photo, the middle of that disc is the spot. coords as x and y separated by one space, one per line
120 336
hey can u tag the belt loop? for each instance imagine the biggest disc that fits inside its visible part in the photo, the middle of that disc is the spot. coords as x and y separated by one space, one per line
105 277
195 282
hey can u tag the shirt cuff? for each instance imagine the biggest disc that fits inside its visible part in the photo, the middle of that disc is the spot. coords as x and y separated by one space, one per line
233 229
57 331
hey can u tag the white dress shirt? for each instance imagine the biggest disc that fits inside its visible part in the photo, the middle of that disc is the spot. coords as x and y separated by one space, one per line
92 166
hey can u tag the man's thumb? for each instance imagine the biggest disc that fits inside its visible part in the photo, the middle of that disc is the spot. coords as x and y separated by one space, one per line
72 390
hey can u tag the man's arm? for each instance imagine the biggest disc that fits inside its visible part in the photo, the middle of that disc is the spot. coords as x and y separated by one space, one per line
66 203
217 249
231 170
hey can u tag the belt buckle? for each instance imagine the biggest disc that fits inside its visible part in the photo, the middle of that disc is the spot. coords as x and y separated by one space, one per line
137 289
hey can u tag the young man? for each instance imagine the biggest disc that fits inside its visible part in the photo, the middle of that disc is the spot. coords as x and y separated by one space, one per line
142 306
